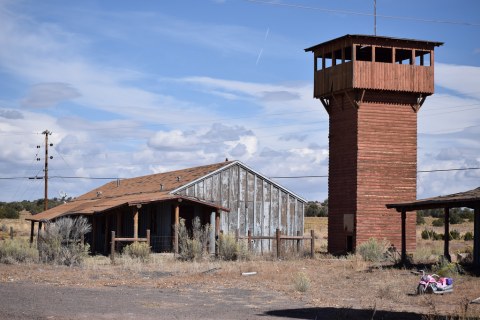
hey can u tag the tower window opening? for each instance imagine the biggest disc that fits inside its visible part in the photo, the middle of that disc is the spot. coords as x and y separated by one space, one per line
383 54
338 57
328 60
403 56
348 54
364 53
422 58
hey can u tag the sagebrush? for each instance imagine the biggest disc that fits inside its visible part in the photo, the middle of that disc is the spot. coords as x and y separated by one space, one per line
374 250
61 241
192 244
17 251
137 250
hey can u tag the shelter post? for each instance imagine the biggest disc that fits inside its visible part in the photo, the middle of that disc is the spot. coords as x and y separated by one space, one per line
211 248
404 235
476 237
177 225
135 221
446 238
32 230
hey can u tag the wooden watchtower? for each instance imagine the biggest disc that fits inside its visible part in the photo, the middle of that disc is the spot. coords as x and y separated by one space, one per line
372 88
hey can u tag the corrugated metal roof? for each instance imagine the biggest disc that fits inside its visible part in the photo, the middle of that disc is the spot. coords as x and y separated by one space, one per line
145 189
461 199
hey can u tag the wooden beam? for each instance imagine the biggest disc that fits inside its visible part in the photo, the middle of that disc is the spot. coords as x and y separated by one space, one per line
32 231
326 104
177 225
135 221
404 237
446 238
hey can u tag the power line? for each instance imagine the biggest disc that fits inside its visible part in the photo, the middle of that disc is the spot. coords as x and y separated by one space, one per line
420 171
466 23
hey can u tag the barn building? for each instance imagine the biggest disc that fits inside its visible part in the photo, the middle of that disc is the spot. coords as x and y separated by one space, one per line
228 195
372 88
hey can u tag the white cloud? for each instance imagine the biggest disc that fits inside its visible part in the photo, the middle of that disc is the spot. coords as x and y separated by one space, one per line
46 95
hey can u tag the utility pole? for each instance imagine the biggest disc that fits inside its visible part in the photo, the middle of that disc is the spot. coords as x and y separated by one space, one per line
46 133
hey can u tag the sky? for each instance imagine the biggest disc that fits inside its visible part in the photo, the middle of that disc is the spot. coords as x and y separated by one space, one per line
130 88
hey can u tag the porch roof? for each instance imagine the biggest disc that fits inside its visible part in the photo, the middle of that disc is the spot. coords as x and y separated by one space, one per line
98 206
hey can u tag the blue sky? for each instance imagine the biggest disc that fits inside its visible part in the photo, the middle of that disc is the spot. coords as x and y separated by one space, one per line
129 88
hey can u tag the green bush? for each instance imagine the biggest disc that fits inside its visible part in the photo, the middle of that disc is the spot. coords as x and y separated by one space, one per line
428 234
438 222
192 246
138 250
373 250
420 218
444 268
454 235
468 236
60 242
455 218
17 251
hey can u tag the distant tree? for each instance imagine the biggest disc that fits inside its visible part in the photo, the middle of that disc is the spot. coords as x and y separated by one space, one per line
316 209
312 209
455 218
420 218
438 222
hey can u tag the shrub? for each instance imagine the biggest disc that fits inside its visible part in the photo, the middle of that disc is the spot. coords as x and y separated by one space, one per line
455 218
230 249
438 222
138 250
420 218
468 236
444 268
428 234
373 250
454 235
17 251
60 242
301 282
192 246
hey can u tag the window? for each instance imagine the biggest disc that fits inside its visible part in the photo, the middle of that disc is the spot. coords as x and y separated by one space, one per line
348 54
338 56
422 58
383 54
403 56
364 53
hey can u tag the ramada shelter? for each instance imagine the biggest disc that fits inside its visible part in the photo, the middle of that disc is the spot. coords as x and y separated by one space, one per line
228 195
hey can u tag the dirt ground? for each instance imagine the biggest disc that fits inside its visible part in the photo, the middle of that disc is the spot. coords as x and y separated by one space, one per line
165 288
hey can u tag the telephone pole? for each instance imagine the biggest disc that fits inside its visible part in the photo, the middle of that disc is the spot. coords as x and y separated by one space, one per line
46 133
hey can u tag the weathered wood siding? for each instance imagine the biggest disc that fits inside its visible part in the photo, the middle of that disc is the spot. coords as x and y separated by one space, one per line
256 204
374 75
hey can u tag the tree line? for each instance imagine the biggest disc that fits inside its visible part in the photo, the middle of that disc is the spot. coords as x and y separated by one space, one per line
11 210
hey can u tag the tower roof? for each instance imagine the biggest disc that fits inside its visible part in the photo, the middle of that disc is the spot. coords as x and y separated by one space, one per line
361 38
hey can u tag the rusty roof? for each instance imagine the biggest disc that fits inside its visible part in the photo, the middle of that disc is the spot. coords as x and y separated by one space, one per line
370 38
138 190
470 198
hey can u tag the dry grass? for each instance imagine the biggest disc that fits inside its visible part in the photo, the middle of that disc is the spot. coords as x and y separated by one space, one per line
320 226
21 228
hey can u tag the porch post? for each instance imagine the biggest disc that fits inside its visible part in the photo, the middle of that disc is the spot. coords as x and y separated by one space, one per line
32 230
39 228
211 248
177 225
404 237
446 238
135 221
476 236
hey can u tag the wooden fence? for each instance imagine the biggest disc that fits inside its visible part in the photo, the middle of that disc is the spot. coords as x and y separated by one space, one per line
112 243
279 237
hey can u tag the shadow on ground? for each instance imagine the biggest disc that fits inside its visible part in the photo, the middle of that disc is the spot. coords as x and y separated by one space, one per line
342 313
